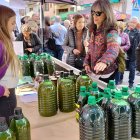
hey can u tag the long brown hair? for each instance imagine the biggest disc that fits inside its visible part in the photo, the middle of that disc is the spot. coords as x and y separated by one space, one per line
76 18
110 21
5 37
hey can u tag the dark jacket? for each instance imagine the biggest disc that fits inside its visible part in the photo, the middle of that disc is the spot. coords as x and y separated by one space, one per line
134 36
70 44
35 43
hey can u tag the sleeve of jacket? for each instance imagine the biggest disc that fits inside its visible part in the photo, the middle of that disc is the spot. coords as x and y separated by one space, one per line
19 37
67 41
38 44
112 51
126 41
2 89
87 59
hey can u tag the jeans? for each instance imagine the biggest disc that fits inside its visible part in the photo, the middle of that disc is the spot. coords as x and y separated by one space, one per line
131 69
118 77
59 52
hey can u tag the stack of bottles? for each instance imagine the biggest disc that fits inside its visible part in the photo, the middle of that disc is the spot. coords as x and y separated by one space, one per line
117 111
33 64
19 128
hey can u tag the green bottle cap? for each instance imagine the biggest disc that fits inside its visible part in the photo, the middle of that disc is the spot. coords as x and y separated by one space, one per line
107 93
137 89
91 100
83 94
37 58
94 86
111 84
125 91
49 57
82 89
118 94
25 57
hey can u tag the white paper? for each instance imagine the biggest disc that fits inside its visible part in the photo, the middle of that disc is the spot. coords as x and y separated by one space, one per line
18 47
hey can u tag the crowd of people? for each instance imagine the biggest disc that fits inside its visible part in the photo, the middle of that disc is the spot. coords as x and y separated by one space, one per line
95 46
103 37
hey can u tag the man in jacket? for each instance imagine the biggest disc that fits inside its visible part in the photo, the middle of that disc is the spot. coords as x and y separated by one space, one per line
134 36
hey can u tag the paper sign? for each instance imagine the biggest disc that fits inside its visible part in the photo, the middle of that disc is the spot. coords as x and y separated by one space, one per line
18 47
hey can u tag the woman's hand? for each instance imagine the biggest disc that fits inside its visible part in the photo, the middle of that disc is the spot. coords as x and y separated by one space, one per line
7 92
29 49
100 67
76 52
87 68
86 43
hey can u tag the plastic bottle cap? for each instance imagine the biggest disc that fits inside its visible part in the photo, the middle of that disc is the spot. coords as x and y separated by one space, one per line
49 57
83 72
118 94
3 124
18 113
37 58
111 84
25 57
83 94
71 72
66 74
46 77
82 88
61 74
94 85
125 89
137 89
107 92
91 100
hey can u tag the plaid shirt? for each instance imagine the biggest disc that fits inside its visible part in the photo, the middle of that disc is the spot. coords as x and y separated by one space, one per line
99 52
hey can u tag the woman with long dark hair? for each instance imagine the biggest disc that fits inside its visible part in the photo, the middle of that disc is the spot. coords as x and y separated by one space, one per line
76 41
103 47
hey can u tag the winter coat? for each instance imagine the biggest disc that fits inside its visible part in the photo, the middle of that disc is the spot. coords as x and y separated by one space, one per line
103 49
134 36
70 44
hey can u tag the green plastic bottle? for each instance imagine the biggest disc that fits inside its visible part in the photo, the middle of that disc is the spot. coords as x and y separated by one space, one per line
125 92
47 98
72 76
94 91
112 86
82 80
44 59
32 60
20 125
25 65
66 94
82 100
119 118
38 65
91 122
104 104
5 132
50 65
134 100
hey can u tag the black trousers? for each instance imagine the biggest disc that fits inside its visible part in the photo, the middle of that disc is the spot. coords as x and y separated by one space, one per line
7 105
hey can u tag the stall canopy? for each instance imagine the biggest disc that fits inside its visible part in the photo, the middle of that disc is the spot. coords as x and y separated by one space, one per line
53 1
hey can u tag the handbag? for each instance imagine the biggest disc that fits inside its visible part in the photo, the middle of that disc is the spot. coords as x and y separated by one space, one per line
51 44
79 61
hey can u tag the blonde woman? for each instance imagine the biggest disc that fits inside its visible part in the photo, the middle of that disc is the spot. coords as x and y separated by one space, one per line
31 41
8 63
